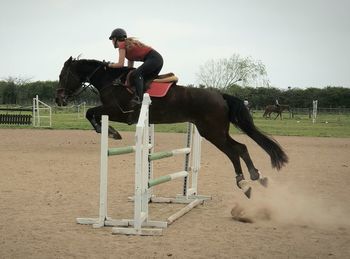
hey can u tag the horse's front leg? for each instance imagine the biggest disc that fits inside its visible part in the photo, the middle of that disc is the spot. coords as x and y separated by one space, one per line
94 115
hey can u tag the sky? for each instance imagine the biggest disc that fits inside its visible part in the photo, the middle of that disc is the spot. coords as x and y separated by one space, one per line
302 43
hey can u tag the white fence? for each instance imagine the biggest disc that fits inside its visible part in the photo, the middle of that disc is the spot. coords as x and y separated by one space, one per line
42 114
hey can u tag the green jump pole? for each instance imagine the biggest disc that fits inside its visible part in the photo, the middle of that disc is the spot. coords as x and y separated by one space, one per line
164 154
166 178
160 155
120 150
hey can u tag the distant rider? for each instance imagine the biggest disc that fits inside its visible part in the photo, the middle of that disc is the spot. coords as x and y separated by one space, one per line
276 103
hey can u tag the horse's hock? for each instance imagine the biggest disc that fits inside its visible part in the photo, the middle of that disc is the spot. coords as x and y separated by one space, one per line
144 181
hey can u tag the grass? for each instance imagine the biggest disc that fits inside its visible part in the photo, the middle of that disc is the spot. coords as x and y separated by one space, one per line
327 125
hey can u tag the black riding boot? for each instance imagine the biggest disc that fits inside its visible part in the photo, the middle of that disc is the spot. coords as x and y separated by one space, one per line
138 84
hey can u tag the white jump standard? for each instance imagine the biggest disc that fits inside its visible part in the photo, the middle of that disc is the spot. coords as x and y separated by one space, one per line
144 182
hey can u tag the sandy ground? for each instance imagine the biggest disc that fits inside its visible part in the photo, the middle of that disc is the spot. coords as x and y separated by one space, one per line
48 178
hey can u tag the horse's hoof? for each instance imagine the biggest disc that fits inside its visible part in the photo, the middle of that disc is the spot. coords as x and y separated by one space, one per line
248 192
264 181
112 133
115 136
243 185
255 175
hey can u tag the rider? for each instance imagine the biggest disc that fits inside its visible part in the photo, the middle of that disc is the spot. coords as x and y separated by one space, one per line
277 103
134 50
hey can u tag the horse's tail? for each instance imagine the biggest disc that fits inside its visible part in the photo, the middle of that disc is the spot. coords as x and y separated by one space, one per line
240 117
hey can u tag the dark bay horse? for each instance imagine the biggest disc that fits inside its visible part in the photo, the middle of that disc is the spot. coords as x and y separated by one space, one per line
209 110
275 109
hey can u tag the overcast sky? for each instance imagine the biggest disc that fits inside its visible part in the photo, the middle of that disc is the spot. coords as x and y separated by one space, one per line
303 43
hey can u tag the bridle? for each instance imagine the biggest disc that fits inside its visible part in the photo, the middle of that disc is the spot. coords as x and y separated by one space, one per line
84 84
66 94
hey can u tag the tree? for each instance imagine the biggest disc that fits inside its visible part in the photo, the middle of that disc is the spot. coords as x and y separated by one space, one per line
10 89
225 72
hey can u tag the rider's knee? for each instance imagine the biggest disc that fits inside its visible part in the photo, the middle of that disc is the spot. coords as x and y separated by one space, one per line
134 75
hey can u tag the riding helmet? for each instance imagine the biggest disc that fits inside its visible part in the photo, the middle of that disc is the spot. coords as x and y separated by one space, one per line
118 34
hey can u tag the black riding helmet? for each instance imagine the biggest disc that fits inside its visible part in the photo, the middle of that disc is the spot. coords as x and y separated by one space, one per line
118 34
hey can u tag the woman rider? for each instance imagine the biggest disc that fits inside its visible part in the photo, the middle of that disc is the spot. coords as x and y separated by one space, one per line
134 50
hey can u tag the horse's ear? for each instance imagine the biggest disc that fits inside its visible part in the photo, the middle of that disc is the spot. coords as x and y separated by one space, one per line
68 61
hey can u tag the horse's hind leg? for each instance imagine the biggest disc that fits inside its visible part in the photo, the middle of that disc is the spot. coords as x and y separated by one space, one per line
222 140
234 151
244 154
233 154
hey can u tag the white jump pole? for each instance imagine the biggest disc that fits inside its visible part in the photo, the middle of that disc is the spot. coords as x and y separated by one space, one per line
100 221
103 219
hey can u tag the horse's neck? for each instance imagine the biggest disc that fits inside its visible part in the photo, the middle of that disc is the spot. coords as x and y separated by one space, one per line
86 69
92 72
119 72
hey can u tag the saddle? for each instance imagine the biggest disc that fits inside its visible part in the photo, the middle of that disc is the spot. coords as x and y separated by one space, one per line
158 87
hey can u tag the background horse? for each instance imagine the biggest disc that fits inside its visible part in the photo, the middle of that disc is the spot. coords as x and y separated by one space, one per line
209 110
276 109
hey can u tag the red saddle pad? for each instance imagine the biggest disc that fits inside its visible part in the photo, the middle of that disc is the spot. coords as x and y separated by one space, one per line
158 89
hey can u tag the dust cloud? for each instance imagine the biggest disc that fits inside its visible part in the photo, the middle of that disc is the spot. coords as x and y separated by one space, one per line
288 204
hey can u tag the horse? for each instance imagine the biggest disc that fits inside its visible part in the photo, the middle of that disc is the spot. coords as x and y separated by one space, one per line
276 109
211 112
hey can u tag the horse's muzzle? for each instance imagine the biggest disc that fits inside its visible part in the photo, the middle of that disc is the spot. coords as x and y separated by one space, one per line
61 99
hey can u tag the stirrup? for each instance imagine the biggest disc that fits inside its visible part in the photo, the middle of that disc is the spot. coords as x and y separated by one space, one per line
136 100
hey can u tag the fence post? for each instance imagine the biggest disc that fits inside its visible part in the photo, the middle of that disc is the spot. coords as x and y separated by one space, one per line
314 111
